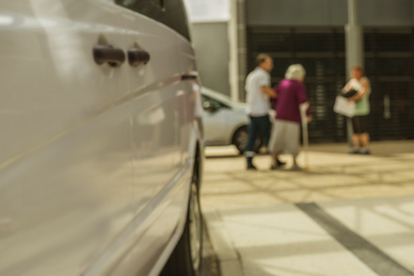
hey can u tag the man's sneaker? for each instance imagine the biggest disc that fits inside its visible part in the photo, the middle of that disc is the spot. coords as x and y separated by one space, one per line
365 151
251 167
280 163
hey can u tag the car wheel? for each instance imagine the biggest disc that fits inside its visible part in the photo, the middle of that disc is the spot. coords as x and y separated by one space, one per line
186 257
240 138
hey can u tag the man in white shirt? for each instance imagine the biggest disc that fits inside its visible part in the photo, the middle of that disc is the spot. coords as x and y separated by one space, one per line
258 93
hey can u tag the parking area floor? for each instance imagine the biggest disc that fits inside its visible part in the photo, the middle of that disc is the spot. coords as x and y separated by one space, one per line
346 215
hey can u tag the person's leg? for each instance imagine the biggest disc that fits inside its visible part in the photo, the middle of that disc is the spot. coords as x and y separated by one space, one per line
364 136
265 130
365 139
271 146
274 160
365 143
249 152
295 166
266 127
356 138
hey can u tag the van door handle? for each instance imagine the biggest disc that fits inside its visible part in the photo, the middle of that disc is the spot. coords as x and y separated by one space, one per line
108 54
137 56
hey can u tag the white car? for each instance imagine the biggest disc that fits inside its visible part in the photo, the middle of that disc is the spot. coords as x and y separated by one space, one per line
101 145
225 121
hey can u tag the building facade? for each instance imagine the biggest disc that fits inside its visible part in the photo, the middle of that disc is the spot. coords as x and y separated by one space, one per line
312 32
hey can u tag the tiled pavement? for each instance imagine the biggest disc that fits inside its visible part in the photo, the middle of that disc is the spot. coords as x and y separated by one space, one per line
260 223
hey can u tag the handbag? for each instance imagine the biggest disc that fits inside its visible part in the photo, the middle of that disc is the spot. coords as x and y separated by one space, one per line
343 107
349 93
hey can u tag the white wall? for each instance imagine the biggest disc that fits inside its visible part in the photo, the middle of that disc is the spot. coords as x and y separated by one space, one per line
208 10
209 21
211 45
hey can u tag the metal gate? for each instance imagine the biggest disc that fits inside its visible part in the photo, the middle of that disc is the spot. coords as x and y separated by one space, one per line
389 64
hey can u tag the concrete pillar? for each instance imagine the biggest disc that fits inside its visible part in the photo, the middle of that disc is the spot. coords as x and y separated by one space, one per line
234 60
354 45
354 38
238 49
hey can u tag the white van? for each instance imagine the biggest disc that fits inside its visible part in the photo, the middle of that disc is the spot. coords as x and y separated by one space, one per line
100 144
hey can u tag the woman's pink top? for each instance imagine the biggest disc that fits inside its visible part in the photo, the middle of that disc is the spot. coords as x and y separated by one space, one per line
290 94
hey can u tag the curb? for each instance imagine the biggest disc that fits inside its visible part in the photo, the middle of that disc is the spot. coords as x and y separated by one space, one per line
228 258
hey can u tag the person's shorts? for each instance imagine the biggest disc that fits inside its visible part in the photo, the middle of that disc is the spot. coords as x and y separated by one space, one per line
359 124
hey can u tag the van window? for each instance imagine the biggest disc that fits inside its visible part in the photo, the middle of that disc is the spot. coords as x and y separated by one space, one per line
169 12
159 3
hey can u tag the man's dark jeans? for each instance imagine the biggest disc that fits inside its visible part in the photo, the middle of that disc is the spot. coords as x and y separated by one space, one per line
258 126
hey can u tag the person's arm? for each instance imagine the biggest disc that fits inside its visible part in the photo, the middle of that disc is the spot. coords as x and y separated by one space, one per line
274 100
347 87
268 91
361 93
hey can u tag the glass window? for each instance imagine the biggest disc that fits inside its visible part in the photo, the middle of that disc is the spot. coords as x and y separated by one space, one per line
212 105
158 3
169 12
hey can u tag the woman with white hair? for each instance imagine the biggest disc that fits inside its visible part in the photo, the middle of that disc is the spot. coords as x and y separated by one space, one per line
285 135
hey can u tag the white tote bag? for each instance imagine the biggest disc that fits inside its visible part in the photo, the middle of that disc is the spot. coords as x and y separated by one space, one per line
343 107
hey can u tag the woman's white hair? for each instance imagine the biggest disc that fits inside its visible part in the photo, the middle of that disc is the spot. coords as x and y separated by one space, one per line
295 72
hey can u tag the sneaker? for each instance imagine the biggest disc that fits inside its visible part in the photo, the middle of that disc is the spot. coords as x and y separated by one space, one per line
365 152
251 167
274 167
280 163
354 151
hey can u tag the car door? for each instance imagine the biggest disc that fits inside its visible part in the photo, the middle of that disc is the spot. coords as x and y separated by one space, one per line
216 121
66 163
163 85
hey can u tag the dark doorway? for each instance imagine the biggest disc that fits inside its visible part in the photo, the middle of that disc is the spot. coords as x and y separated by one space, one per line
389 64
